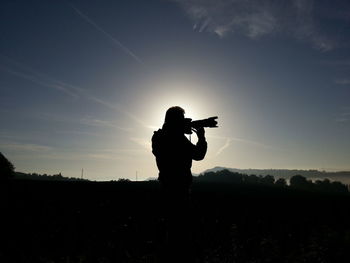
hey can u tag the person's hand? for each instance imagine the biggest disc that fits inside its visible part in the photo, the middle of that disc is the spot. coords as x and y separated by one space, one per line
200 132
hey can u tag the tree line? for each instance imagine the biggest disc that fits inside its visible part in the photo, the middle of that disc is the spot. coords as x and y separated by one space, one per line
7 171
296 181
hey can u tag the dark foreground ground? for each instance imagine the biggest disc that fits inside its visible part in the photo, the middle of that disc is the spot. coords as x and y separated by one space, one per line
125 222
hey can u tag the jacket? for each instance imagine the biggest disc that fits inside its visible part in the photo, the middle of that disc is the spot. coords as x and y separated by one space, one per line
174 154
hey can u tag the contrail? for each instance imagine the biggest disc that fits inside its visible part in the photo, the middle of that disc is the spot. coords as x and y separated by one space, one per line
30 74
227 144
40 81
114 40
26 72
118 107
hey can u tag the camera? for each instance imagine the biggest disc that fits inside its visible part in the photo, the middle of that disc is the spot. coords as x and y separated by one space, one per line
206 123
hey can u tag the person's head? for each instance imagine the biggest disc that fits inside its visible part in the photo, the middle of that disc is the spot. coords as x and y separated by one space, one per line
174 118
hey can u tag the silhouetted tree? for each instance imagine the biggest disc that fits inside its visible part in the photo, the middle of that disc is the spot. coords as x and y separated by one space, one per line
281 182
123 180
221 176
339 187
267 179
229 176
300 182
7 170
327 186
323 185
58 176
252 179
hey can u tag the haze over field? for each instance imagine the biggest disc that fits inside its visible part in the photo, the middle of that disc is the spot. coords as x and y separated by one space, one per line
84 85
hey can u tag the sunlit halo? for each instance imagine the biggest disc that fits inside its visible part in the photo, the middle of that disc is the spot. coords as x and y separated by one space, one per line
191 109
189 95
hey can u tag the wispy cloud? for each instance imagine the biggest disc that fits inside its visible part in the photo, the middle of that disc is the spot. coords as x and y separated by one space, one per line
224 17
37 151
24 147
226 145
146 144
116 42
75 132
23 71
256 19
337 63
119 108
344 81
103 123
101 156
122 150
344 116
75 156
342 119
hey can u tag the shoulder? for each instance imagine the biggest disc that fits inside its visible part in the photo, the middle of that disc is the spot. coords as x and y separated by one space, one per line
157 134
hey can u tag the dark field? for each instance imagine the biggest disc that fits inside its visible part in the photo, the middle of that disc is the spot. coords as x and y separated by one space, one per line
45 221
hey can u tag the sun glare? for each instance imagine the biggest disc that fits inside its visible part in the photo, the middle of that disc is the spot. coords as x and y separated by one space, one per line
191 109
188 96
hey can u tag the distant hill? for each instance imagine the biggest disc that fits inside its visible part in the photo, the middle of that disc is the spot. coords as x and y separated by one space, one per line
343 176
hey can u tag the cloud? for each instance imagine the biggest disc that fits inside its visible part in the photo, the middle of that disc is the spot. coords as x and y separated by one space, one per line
337 63
227 144
342 81
27 73
119 108
77 132
99 156
20 150
224 17
36 151
146 144
344 116
257 19
342 119
103 123
24 147
23 71
305 28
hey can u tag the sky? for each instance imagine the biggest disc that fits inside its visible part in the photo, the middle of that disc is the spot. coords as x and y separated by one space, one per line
83 84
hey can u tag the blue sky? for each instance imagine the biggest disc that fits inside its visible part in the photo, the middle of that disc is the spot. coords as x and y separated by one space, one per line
85 84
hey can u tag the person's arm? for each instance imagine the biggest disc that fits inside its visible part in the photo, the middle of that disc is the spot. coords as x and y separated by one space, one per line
200 149
156 143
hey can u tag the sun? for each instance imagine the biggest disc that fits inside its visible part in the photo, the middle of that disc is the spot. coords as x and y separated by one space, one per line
191 109
189 95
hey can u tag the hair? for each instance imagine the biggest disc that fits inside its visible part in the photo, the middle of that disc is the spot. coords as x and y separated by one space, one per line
174 114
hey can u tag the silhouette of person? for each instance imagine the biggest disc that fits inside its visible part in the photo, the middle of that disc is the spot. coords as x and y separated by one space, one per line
174 154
